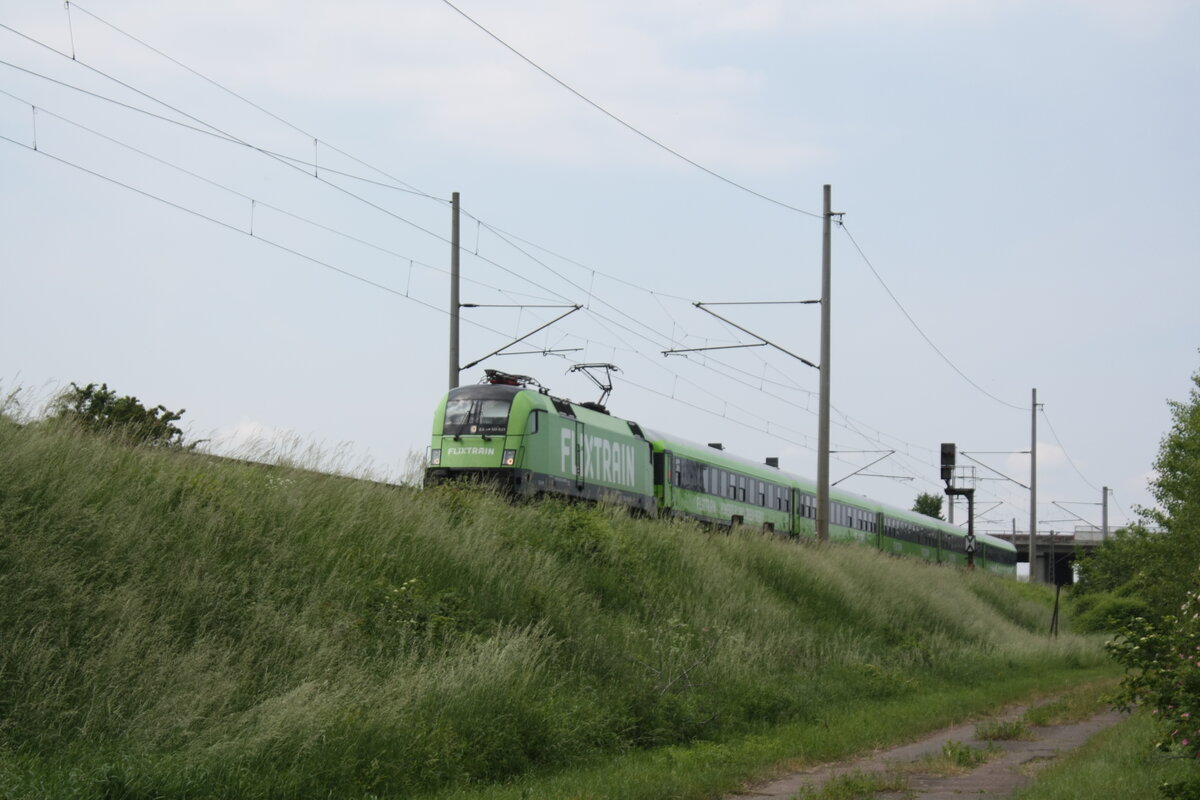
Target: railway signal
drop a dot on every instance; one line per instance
(948, 458)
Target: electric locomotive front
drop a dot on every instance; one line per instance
(510, 432)
(478, 431)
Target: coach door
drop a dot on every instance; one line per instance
(580, 452)
(664, 470)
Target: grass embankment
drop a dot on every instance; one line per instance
(174, 627)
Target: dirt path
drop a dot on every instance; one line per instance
(996, 779)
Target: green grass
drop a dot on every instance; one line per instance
(999, 730)
(179, 626)
(1117, 764)
(957, 756)
(1074, 705)
(856, 786)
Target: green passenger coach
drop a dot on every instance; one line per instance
(705, 483)
(511, 432)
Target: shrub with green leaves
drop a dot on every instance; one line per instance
(1162, 662)
(100, 409)
(1108, 612)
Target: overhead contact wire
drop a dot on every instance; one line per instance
(917, 327)
(625, 124)
(236, 229)
(249, 102)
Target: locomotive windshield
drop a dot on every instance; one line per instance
(478, 410)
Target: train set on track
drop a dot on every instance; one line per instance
(511, 432)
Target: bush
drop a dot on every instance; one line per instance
(1107, 612)
(99, 409)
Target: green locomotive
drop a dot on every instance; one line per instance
(512, 432)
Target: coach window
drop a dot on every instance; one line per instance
(762, 493)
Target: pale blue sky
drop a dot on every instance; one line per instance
(1022, 175)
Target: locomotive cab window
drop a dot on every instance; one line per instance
(466, 415)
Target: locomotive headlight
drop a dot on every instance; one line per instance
(510, 458)
(435, 457)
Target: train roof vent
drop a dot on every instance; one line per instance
(773, 461)
(716, 445)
